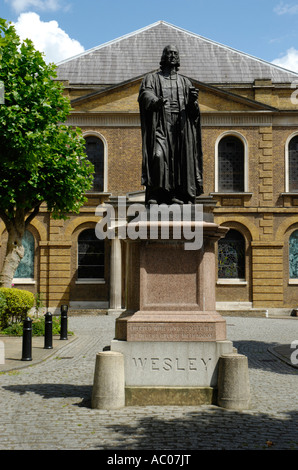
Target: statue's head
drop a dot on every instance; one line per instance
(170, 57)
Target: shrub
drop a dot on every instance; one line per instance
(3, 303)
(15, 329)
(38, 327)
(18, 304)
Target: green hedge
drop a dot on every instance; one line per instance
(15, 305)
(3, 303)
(38, 327)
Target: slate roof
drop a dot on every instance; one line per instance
(138, 53)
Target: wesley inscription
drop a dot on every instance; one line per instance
(170, 363)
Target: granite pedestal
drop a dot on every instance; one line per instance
(171, 336)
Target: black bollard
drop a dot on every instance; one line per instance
(48, 331)
(63, 325)
(27, 340)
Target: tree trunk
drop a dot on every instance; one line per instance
(14, 254)
(15, 251)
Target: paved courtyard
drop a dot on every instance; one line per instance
(47, 406)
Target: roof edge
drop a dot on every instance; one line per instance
(112, 41)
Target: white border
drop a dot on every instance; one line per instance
(23, 280)
(232, 281)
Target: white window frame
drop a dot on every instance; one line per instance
(234, 280)
(287, 181)
(27, 280)
(245, 144)
(292, 280)
(89, 280)
(105, 157)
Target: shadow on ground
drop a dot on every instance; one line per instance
(175, 428)
(260, 356)
(204, 428)
(210, 429)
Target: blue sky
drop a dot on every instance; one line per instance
(267, 29)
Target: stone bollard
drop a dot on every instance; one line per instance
(108, 388)
(2, 353)
(233, 382)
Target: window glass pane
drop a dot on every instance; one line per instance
(230, 165)
(91, 259)
(26, 266)
(231, 256)
(293, 164)
(95, 152)
(90, 272)
(293, 255)
(90, 256)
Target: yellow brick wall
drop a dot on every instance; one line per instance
(267, 274)
(124, 159)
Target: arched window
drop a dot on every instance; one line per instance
(95, 152)
(293, 255)
(231, 256)
(26, 266)
(90, 256)
(293, 164)
(231, 164)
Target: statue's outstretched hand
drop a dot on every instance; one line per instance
(159, 103)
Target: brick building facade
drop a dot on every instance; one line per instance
(250, 154)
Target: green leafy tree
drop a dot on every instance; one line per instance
(41, 160)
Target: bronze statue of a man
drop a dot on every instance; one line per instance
(171, 134)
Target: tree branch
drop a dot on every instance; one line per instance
(32, 215)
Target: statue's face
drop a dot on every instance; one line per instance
(171, 56)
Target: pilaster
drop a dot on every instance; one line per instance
(267, 274)
(265, 167)
(55, 265)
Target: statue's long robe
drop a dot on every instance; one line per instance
(187, 172)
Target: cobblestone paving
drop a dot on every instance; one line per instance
(47, 406)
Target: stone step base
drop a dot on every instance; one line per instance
(256, 312)
(170, 396)
(243, 313)
(86, 311)
(225, 313)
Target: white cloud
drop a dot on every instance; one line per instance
(43, 5)
(47, 37)
(286, 8)
(289, 60)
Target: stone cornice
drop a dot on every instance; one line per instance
(209, 119)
